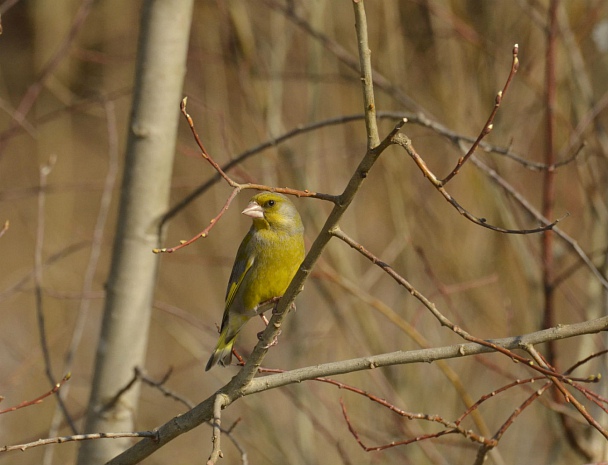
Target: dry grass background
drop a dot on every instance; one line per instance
(252, 75)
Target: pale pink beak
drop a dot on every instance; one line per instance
(253, 210)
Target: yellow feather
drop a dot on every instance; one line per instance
(265, 264)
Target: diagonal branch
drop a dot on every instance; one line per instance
(406, 143)
(235, 388)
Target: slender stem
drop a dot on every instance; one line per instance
(549, 175)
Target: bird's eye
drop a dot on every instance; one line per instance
(270, 203)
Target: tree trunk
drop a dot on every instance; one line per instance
(161, 65)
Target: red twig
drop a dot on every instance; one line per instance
(494, 393)
(443, 320)
(205, 232)
(450, 430)
(39, 399)
(485, 448)
(490, 122)
(406, 143)
(237, 187)
(585, 360)
(204, 152)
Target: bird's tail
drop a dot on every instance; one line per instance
(222, 353)
(223, 350)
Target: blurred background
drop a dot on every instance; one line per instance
(255, 71)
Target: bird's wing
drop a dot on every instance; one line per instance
(242, 264)
(239, 272)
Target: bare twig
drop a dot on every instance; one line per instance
(80, 437)
(572, 244)
(485, 448)
(38, 267)
(451, 428)
(237, 187)
(160, 386)
(418, 119)
(406, 143)
(443, 320)
(96, 248)
(493, 394)
(139, 372)
(39, 399)
(585, 360)
(205, 232)
(490, 122)
(569, 398)
(414, 334)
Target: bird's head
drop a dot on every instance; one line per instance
(274, 211)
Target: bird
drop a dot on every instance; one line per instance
(266, 262)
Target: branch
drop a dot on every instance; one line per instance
(236, 387)
(237, 187)
(490, 122)
(425, 355)
(204, 411)
(451, 428)
(443, 320)
(216, 452)
(79, 437)
(38, 399)
(406, 143)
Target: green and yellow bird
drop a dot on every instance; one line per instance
(265, 264)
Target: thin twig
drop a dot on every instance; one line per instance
(406, 143)
(485, 448)
(205, 232)
(451, 428)
(39, 399)
(89, 274)
(487, 128)
(585, 360)
(569, 398)
(409, 329)
(494, 393)
(572, 244)
(80, 437)
(45, 171)
(443, 320)
(159, 385)
(236, 188)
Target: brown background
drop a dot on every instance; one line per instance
(252, 75)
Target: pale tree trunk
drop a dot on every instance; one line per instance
(161, 65)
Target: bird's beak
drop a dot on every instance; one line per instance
(253, 210)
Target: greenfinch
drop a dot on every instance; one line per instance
(265, 264)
